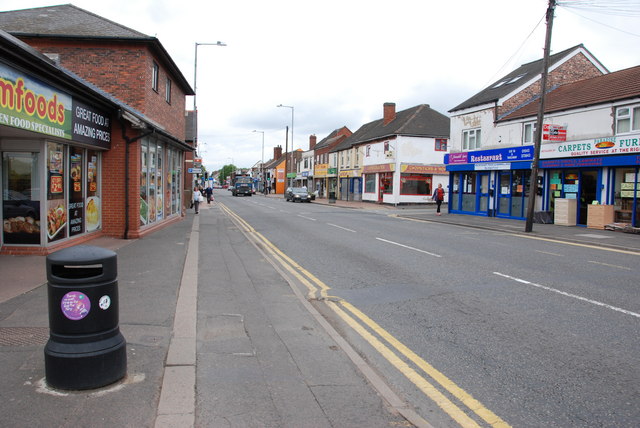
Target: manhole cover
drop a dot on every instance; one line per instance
(23, 336)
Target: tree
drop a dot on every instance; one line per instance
(225, 172)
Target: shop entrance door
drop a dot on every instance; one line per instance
(20, 198)
(588, 193)
(483, 193)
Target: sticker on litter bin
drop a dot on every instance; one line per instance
(75, 305)
(104, 302)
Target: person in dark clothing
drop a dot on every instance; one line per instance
(438, 196)
(209, 192)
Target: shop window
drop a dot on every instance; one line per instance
(471, 139)
(93, 211)
(627, 119)
(56, 209)
(415, 184)
(386, 183)
(155, 74)
(441, 145)
(144, 183)
(528, 133)
(76, 190)
(20, 199)
(369, 183)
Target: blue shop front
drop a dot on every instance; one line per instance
(493, 183)
(601, 171)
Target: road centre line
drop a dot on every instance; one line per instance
(408, 247)
(610, 265)
(340, 227)
(449, 407)
(575, 296)
(308, 218)
(551, 254)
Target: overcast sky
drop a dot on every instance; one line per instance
(337, 61)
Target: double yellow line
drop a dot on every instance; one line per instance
(410, 364)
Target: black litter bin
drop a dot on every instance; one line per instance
(85, 349)
(332, 197)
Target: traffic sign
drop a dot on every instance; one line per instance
(194, 170)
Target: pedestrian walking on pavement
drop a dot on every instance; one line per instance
(438, 196)
(197, 197)
(209, 192)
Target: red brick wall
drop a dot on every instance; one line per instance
(123, 70)
(576, 68)
(113, 185)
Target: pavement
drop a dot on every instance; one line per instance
(216, 334)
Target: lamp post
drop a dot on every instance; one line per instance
(262, 163)
(292, 109)
(195, 90)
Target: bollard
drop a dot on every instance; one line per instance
(85, 349)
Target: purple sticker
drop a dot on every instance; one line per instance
(75, 305)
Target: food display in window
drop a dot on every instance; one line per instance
(92, 213)
(56, 220)
(21, 225)
(144, 208)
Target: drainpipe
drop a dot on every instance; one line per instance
(128, 140)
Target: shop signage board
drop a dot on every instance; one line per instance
(614, 145)
(554, 132)
(509, 154)
(29, 104)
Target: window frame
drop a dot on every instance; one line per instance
(155, 76)
(533, 126)
(632, 118)
(468, 134)
(440, 145)
(167, 95)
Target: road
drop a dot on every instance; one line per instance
(472, 327)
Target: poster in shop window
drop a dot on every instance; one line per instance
(56, 210)
(76, 201)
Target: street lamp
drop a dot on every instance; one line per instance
(291, 107)
(195, 91)
(262, 163)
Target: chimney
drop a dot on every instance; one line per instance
(277, 152)
(389, 113)
(312, 142)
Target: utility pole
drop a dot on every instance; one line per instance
(533, 181)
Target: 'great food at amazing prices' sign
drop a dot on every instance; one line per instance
(619, 145)
(26, 103)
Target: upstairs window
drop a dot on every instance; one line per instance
(627, 119)
(441, 145)
(368, 151)
(471, 139)
(528, 132)
(167, 95)
(155, 71)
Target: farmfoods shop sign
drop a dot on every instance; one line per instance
(26, 103)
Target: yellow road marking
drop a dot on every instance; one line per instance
(419, 381)
(449, 385)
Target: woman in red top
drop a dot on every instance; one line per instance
(438, 196)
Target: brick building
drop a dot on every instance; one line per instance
(113, 82)
(490, 168)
